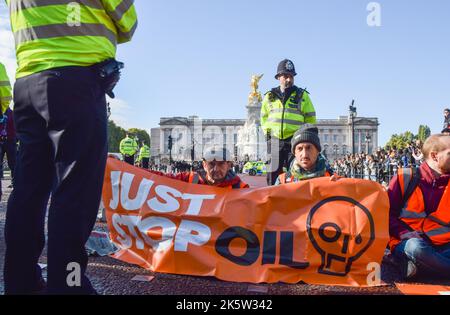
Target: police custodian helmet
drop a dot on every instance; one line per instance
(285, 66)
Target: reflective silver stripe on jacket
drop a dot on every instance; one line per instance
(18, 5)
(407, 174)
(5, 98)
(63, 30)
(120, 10)
(407, 214)
(286, 121)
(5, 83)
(128, 35)
(286, 110)
(311, 114)
(438, 231)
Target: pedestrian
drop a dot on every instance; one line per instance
(284, 109)
(417, 153)
(60, 115)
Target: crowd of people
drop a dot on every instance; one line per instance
(382, 165)
(185, 166)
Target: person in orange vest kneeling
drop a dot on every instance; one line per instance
(217, 171)
(419, 223)
(308, 163)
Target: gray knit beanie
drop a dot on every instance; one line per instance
(306, 133)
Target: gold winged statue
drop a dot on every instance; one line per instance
(254, 94)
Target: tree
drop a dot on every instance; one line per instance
(402, 140)
(424, 133)
(115, 135)
(141, 134)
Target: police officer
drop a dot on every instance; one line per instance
(128, 147)
(8, 142)
(5, 89)
(144, 155)
(65, 53)
(7, 131)
(284, 109)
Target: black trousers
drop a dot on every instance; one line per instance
(60, 118)
(145, 163)
(280, 155)
(9, 148)
(129, 159)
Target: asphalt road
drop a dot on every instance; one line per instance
(113, 277)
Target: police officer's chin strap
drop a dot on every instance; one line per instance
(286, 87)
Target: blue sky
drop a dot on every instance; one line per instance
(196, 57)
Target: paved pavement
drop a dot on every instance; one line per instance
(113, 277)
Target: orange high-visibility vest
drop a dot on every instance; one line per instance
(194, 178)
(436, 225)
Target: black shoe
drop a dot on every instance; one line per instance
(41, 288)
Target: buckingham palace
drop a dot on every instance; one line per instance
(191, 135)
(185, 138)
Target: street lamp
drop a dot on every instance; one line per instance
(325, 150)
(368, 138)
(352, 112)
(170, 148)
(257, 141)
(335, 150)
(193, 150)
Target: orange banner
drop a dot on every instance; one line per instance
(317, 231)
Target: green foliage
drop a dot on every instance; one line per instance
(140, 134)
(117, 133)
(402, 140)
(424, 133)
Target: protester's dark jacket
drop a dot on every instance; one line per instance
(433, 188)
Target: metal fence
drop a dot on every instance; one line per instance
(380, 173)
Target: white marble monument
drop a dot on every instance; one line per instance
(251, 141)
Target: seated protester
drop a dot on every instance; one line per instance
(217, 171)
(446, 129)
(308, 162)
(419, 220)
